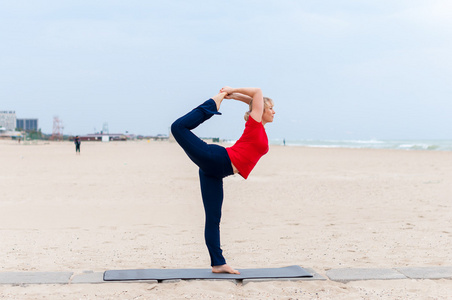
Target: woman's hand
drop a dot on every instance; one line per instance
(231, 96)
(227, 89)
(240, 97)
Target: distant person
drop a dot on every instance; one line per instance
(216, 162)
(77, 143)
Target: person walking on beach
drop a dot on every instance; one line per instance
(216, 162)
(77, 143)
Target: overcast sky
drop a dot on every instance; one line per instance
(377, 69)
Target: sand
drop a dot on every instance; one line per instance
(137, 205)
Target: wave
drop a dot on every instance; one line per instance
(432, 145)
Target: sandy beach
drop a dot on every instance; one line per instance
(134, 205)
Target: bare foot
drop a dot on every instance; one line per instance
(218, 99)
(224, 269)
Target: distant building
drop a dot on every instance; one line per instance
(101, 137)
(8, 119)
(27, 124)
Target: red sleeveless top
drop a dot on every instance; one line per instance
(251, 146)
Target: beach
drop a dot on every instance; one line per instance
(137, 205)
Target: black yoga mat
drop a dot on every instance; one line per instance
(168, 274)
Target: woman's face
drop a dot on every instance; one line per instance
(269, 113)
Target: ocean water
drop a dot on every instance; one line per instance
(433, 145)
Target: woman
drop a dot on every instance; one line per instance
(216, 162)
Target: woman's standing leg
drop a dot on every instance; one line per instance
(212, 198)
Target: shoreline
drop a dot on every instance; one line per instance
(447, 147)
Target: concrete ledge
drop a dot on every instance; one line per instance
(342, 275)
(35, 277)
(347, 274)
(427, 272)
(88, 277)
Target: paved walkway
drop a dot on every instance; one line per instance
(341, 275)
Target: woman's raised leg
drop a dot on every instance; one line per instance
(195, 148)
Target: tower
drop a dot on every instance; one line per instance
(105, 128)
(57, 132)
(105, 133)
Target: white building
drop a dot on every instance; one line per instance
(8, 119)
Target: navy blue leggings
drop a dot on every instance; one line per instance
(214, 164)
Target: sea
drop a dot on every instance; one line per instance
(430, 145)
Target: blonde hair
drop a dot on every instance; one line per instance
(267, 102)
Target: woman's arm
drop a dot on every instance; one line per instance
(254, 93)
(240, 97)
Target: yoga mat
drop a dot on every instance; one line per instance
(168, 274)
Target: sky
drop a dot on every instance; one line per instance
(351, 69)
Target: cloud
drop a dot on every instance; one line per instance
(435, 14)
(319, 60)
